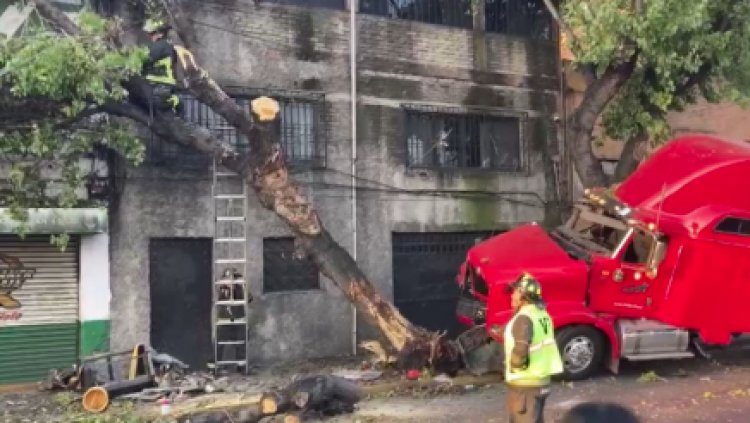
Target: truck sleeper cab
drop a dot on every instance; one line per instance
(633, 272)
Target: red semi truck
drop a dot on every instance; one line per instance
(657, 267)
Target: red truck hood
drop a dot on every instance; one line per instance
(528, 248)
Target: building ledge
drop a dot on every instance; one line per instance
(54, 221)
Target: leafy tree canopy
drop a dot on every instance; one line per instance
(684, 50)
(51, 89)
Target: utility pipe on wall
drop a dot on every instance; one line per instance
(353, 82)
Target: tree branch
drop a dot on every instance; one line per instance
(175, 10)
(263, 168)
(581, 122)
(56, 17)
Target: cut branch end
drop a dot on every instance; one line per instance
(265, 108)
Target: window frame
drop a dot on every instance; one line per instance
(318, 160)
(305, 3)
(740, 220)
(517, 24)
(318, 283)
(161, 153)
(477, 114)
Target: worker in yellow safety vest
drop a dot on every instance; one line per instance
(158, 68)
(531, 354)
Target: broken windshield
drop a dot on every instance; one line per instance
(594, 230)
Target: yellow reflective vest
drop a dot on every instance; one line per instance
(544, 356)
(159, 64)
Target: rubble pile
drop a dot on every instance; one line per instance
(148, 377)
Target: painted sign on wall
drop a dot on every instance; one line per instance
(13, 275)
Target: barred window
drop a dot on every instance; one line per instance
(283, 271)
(298, 128)
(456, 13)
(329, 4)
(445, 140)
(525, 18)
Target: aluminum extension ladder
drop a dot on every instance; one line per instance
(230, 294)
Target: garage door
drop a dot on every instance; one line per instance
(424, 275)
(38, 308)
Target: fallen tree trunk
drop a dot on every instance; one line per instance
(327, 395)
(265, 170)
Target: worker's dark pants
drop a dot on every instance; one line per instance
(526, 405)
(158, 99)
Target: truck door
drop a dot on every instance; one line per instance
(622, 284)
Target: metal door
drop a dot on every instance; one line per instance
(621, 284)
(38, 307)
(180, 282)
(424, 276)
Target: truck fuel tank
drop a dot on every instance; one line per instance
(642, 339)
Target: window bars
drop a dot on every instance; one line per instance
(444, 139)
(299, 127)
(524, 18)
(283, 270)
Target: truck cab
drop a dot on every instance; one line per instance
(654, 268)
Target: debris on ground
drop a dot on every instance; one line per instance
(381, 356)
(443, 378)
(650, 376)
(359, 375)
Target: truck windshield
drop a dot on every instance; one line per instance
(594, 230)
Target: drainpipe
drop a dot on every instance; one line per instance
(353, 82)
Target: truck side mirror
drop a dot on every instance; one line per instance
(656, 255)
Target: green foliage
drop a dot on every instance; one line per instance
(78, 70)
(684, 50)
(44, 161)
(41, 160)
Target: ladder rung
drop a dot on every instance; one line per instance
(230, 282)
(230, 218)
(231, 342)
(230, 239)
(228, 362)
(226, 174)
(230, 261)
(229, 196)
(230, 303)
(226, 322)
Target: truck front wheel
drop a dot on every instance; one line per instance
(582, 349)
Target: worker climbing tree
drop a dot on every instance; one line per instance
(159, 67)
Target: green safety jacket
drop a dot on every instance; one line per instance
(159, 66)
(544, 356)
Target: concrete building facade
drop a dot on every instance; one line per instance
(455, 138)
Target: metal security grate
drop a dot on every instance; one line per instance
(525, 18)
(329, 4)
(456, 13)
(283, 270)
(299, 131)
(442, 139)
(425, 266)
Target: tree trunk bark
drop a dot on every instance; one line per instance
(631, 157)
(263, 168)
(581, 122)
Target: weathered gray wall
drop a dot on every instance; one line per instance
(299, 48)
(154, 203)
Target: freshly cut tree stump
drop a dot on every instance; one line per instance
(274, 402)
